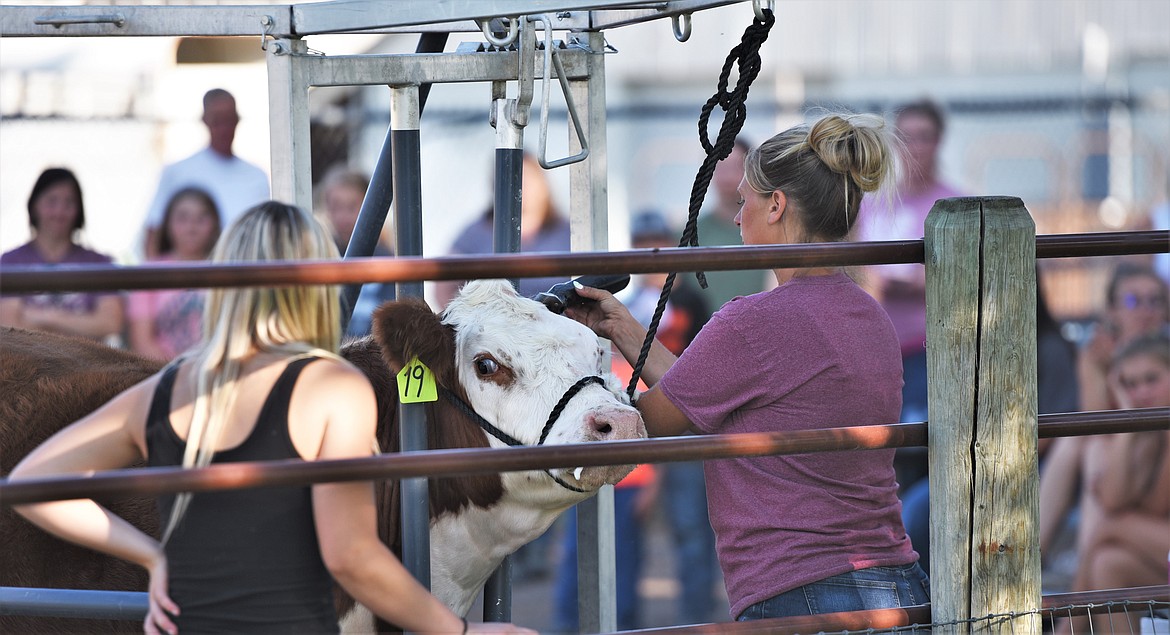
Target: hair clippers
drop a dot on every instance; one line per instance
(561, 296)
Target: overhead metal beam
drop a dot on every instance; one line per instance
(137, 21)
(437, 68)
(336, 16)
(340, 16)
(578, 17)
(608, 19)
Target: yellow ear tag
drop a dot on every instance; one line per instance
(416, 383)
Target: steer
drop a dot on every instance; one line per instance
(502, 364)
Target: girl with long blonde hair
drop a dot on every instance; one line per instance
(265, 383)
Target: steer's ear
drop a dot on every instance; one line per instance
(405, 328)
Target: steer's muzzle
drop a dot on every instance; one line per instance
(608, 424)
(614, 425)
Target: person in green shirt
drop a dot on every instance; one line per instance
(717, 227)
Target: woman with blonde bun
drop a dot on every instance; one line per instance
(265, 383)
(801, 534)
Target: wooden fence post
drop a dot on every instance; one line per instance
(981, 364)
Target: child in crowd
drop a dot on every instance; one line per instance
(1123, 536)
(165, 322)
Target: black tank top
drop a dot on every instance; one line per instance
(244, 561)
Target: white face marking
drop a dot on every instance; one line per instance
(541, 355)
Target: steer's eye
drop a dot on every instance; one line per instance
(486, 366)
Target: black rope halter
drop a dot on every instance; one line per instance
(734, 104)
(504, 437)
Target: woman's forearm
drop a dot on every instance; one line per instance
(86, 523)
(1092, 378)
(659, 359)
(105, 320)
(11, 313)
(1145, 535)
(377, 580)
(1134, 456)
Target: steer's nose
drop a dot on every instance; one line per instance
(616, 424)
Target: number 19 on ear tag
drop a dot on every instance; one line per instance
(416, 383)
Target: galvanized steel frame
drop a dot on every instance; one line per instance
(337, 16)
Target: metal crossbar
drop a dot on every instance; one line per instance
(1152, 603)
(403, 269)
(445, 463)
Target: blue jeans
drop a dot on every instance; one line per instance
(873, 588)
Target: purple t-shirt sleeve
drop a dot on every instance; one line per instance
(706, 383)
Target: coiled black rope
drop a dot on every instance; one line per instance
(746, 55)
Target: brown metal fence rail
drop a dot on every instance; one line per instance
(18, 280)
(1147, 601)
(153, 481)
(918, 618)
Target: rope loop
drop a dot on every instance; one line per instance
(745, 55)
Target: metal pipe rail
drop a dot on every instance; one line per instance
(1082, 603)
(153, 481)
(1103, 244)
(402, 269)
(74, 603)
(131, 605)
(1079, 424)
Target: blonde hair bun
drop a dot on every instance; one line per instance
(856, 145)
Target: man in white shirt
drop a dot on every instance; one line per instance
(233, 183)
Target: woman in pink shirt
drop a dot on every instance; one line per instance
(799, 534)
(166, 322)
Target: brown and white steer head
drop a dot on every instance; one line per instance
(512, 361)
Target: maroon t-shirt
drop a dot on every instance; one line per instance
(816, 352)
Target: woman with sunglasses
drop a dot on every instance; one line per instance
(1136, 305)
(1121, 484)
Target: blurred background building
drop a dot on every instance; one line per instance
(1065, 104)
